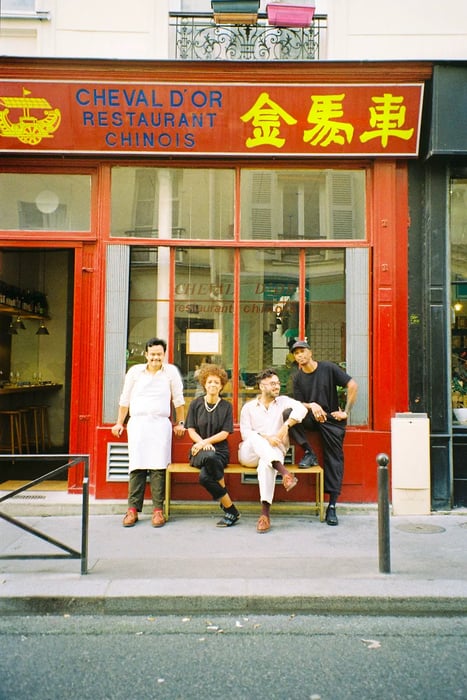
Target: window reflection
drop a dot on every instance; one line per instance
(42, 202)
(325, 320)
(268, 314)
(203, 302)
(193, 203)
(198, 319)
(458, 233)
(302, 204)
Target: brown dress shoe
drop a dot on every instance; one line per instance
(158, 519)
(263, 524)
(130, 518)
(289, 481)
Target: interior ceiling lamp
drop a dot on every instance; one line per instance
(19, 324)
(42, 330)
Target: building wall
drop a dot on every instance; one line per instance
(357, 30)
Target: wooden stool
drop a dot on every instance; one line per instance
(41, 427)
(24, 417)
(11, 425)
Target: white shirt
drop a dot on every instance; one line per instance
(257, 418)
(149, 393)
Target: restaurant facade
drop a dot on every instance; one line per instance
(228, 212)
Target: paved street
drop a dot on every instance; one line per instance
(284, 657)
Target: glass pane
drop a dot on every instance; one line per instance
(325, 314)
(194, 203)
(302, 204)
(145, 305)
(336, 316)
(42, 202)
(18, 6)
(203, 313)
(458, 232)
(268, 315)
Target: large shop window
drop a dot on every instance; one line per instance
(319, 288)
(332, 298)
(42, 202)
(458, 229)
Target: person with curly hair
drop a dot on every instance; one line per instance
(209, 423)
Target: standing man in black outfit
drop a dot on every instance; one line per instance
(315, 385)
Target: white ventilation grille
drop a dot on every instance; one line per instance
(117, 461)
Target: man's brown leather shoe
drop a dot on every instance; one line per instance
(289, 481)
(263, 524)
(158, 519)
(130, 518)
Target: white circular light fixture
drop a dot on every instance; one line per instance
(47, 201)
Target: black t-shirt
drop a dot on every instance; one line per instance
(321, 385)
(208, 423)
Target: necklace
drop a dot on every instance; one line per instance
(210, 408)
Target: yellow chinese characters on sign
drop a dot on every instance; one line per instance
(387, 117)
(324, 113)
(266, 116)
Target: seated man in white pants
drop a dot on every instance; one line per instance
(264, 430)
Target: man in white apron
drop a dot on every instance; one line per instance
(148, 394)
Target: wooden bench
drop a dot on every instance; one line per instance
(184, 468)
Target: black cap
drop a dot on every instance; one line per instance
(300, 344)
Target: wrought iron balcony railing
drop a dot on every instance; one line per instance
(197, 37)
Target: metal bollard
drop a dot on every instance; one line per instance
(383, 514)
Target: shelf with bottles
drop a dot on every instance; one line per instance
(25, 303)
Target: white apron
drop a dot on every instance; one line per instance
(150, 427)
(149, 442)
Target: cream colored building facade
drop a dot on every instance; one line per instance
(356, 30)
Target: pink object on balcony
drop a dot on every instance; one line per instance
(290, 15)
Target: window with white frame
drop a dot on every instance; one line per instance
(19, 7)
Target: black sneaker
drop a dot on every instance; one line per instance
(331, 517)
(309, 459)
(228, 520)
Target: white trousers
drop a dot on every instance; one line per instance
(256, 451)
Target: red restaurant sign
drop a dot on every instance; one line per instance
(210, 119)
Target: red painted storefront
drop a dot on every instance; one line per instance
(80, 147)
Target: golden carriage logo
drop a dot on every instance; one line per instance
(28, 128)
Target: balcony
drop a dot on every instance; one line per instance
(196, 37)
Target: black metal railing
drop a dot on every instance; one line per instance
(197, 37)
(71, 553)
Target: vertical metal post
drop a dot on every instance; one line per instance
(383, 514)
(85, 518)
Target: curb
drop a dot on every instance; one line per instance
(175, 605)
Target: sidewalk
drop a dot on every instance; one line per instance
(190, 566)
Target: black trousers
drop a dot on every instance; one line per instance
(332, 434)
(211, 466)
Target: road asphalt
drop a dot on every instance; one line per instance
(417, 567)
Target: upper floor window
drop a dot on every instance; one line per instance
(18, 6)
